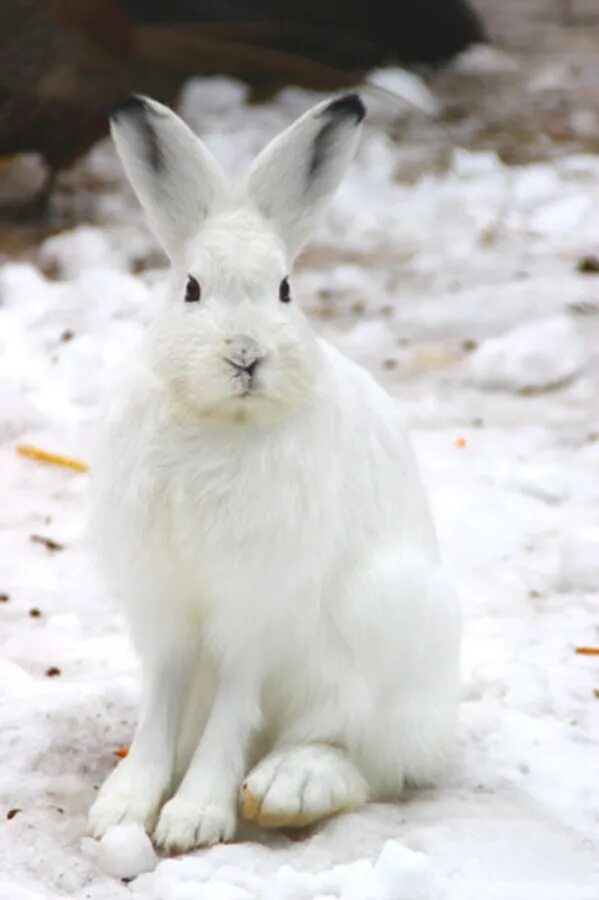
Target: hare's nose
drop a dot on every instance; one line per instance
(244, 352)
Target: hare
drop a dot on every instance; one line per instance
(260, 516)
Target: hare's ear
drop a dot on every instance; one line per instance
(176, 179)
(293, 178)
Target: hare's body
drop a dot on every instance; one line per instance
(274, 552)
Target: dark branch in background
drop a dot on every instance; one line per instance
(356, 32)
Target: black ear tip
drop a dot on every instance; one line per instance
(346, 106)
(127, 106)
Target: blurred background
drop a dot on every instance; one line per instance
(64, 62)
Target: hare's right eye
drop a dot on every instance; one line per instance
(284, 291)
(193, 291)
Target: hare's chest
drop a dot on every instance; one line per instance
(247, 519)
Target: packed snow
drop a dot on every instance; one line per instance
(460, 291)
(537, 355)
(125, 851)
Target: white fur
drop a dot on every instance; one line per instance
(273, 550)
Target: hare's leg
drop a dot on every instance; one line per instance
(388, 703)
(406, 653)
(203, 810)
(395, 701)
(200, 696)
(299, 785)
(134, 791)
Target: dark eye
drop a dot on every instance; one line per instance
(284, 291)
(193, 291)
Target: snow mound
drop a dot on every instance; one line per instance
(397, 874)
(533, 356)
(407, 87)
(579, 560)
(80, 249)
(483, 59)
(126, 851)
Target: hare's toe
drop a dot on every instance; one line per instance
(130, 794)
(185, 824)
(297, 787)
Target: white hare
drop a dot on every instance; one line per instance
(261, 518)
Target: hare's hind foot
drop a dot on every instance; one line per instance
(297, 786)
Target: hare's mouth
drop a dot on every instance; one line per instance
(245, 380)
(245, 385)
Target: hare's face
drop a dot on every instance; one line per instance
(231, 342)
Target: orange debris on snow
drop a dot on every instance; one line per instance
(56, 459)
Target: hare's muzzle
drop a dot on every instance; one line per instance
(244, 355)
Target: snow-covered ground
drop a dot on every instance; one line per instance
(460, 292)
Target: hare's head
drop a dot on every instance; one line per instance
(230, 341)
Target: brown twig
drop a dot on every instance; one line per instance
(48, 543)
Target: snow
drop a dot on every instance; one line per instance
(483, 58)
(126, 851)
(410, 88)
(459, 290)
(73, 253)
(397, 873)
(534, 356)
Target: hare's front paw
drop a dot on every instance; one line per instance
(129, 794)
(185, 824)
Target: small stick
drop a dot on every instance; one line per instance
(46, 541)
(588, 651)
(55, 459)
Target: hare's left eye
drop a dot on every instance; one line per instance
(193, 291)
(284, 291)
